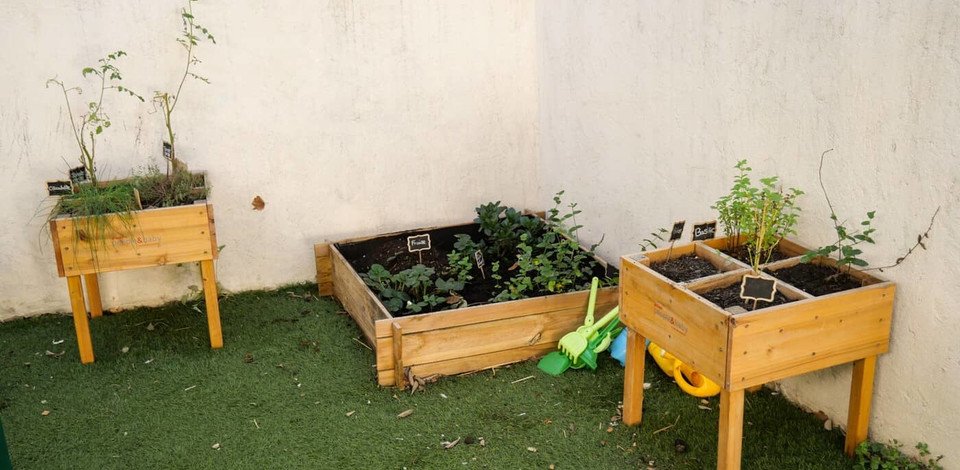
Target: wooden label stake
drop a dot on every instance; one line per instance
(418, 243)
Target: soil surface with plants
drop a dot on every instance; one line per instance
(729, 296)
(816, 279)
(685, 268)
(524, 256)
(741, 254)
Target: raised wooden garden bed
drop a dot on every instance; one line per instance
(151, 237)
(740, 350)
(450, 341)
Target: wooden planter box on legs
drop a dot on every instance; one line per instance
(155, 237)
(452, 341)
(742, 350)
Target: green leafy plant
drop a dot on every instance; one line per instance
(773, 215)
(845, 248)
(461, 261)
(554, 262)
(880, 456)
(733, 209)
(649, 244)
(502, 227)
(191, 36)
(757, 216)
(87, 127)
(413, 290)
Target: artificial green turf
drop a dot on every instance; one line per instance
(167, 401)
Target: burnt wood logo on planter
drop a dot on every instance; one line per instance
(418, 242)
(704, 231)
(79, 175)
(758, 288)
(59, 188)
(675, 323)
(677, 230)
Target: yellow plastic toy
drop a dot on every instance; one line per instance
(689, 380)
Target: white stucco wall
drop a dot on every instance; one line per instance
(347, 117)
(646, 106)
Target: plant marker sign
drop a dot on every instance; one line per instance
(79, 175)
(478, 255)
(167, 150)
(705, 231)
(59, 188)
(757, 288)
(418, 243)
(675, 234)
(677, 230)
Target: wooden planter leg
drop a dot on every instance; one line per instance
(861, 393)
(399, 377)
(93, 294)
(730, 433)
(80, 321)
(633, 378)
(209, 276)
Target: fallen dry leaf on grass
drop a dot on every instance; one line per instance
(450, 444)
(45, 413)
(405, 413)
(350, 413)
(215, 446)
(258, 203)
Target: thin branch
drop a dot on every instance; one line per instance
(919, 243)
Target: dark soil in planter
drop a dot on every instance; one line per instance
(685, 268)
(390, 251)
(817, 279)
(729, 296)
(741, 254)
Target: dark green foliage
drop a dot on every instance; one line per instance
(553, 262)
(880, 456)
(503, 226)
(279, 393)
(412, 290)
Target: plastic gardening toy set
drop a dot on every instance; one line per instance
(582, 346)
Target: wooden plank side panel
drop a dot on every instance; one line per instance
(501, 311)
(467, 364)
(321, 252)
(812, 334)
(357, 300)
(471, 339)
(156, 237)
(669, 315)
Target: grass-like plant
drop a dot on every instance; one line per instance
(160, 190)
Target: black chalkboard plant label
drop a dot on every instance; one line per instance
(79, 175)
(59, 188)
(705, 231)
(758, 288)
(417, 244)
(677, 230)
